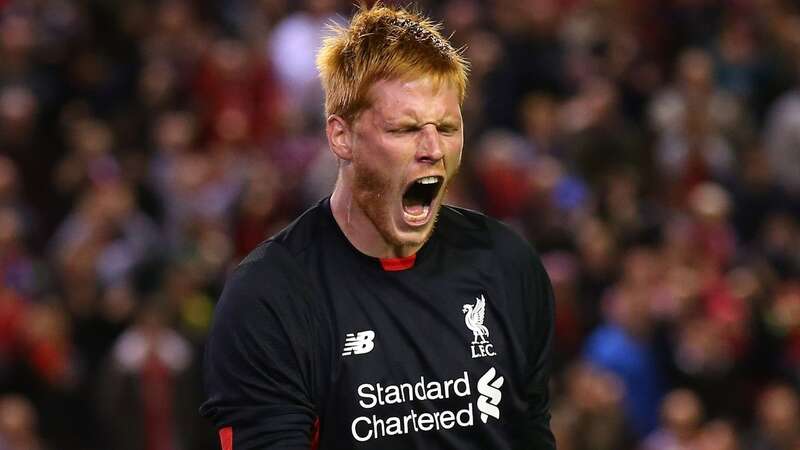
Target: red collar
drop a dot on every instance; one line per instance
(397, 264)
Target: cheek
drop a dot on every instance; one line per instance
(453, 157)
(378, 152)
(375, 169)
(391, 158)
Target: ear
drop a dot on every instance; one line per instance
(339, 137)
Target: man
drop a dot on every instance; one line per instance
(363, 326)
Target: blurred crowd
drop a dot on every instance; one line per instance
(649, 149)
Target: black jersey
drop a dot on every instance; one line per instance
(448, 349)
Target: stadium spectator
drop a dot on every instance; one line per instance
(647, 149)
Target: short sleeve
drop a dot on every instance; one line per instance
(259, 359)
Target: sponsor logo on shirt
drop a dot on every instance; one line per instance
(359, 343)
(473, 318)
(489, 388)
(369, 427)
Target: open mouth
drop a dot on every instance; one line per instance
(419, 196)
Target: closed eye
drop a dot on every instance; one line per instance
(447, 129)
(443, 129)
(404, 130)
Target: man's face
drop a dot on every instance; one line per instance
(406, 148)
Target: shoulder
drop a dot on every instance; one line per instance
(270, 275)
(268, 266)
(294, 239)
(513, 256)
(479, 229)
(259, 289)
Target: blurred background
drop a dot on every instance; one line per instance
(649, 149)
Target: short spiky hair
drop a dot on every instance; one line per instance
(384, 42)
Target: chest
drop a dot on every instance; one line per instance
(425, 351)
(407, 329)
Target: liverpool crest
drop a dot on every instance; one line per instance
(473, 317)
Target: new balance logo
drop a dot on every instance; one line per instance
(359, 343)
(489, 388)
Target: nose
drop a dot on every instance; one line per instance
(429, 147)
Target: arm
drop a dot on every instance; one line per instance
(541, 339)
(259, 360)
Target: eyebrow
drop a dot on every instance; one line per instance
(409, 121)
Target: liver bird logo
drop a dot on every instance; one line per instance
(473, 317)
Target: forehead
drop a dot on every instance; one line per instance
(419, 98)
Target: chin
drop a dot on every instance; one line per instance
(401, 234)
(414, 238)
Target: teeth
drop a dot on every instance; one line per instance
(428, 180)
(422, 214)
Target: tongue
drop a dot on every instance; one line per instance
(414, 207)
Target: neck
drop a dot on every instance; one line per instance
(359, 229)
